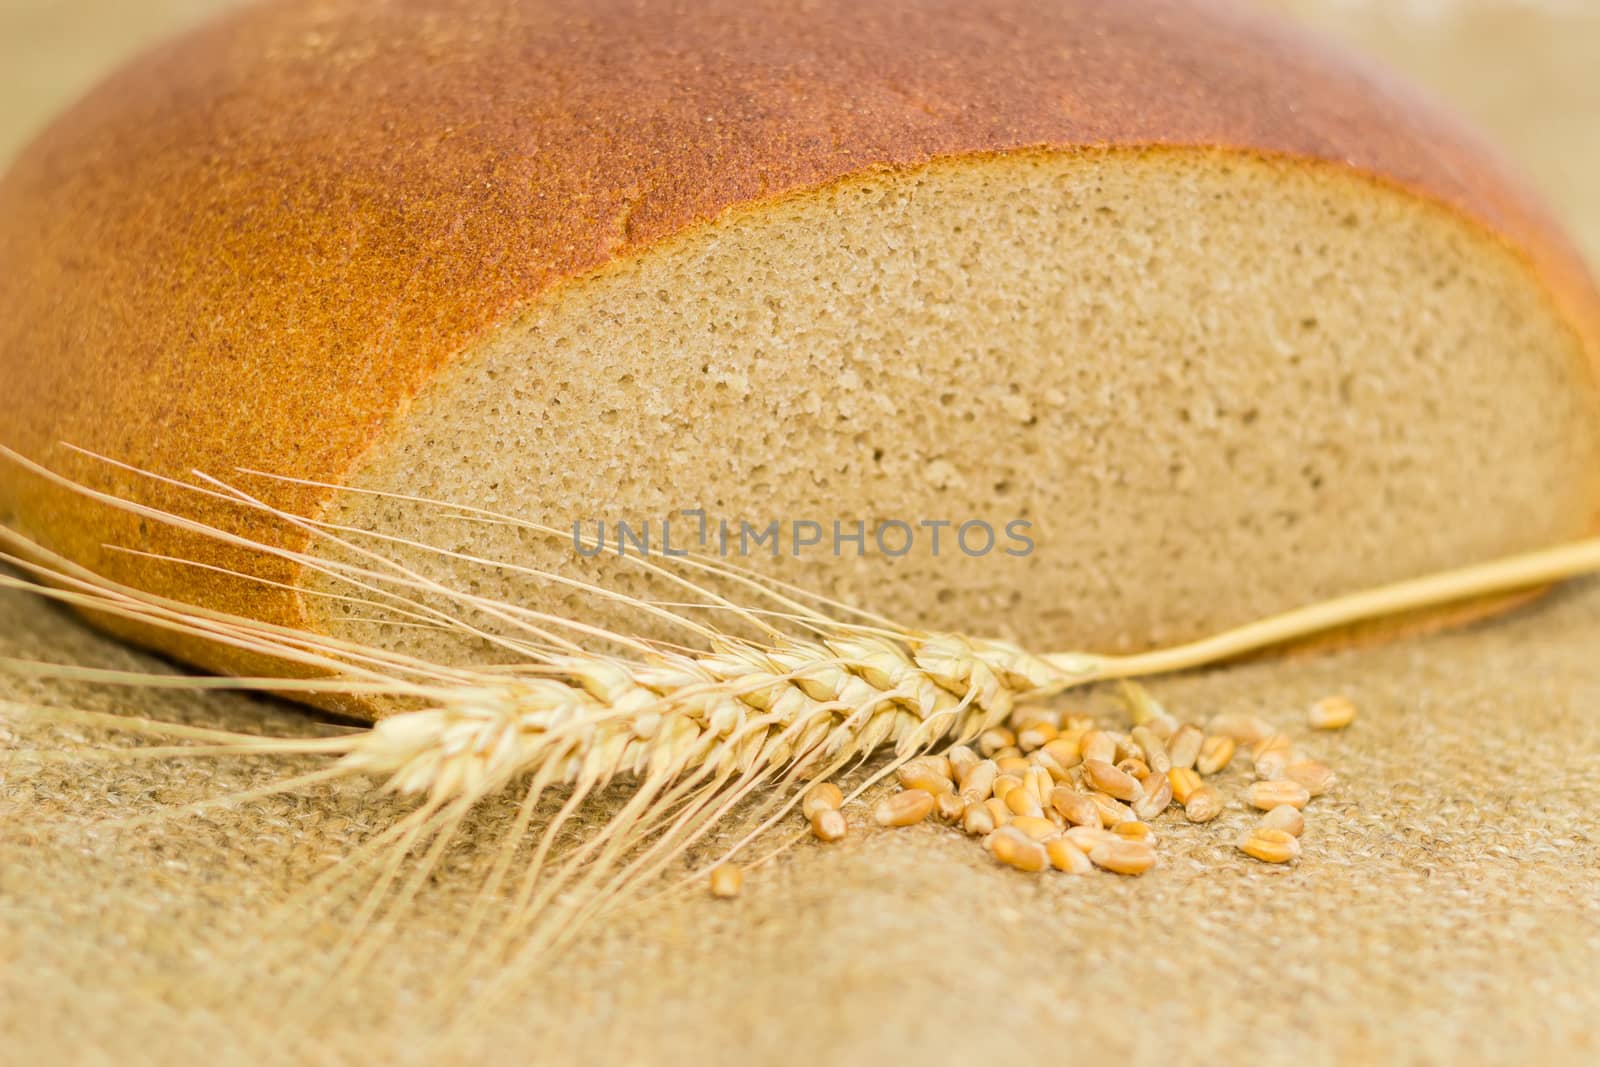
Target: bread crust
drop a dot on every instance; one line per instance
(255, 245)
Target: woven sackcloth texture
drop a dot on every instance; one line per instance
(1447, 908)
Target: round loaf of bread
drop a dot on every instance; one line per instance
(1202, 318)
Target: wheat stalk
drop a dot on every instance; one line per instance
(699, 731)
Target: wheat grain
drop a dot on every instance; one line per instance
(903, 809)
(1066, 856)
(1155, 796)
(1133, 767)
(915, 774)
(727, 880)
(948, 807)
(1109, 780)
(1268, 795)
(1285, 817)
(978, 783)
(1098, 745)
(1043, 760)
(829, 825)
(1075, 807)
(999, 814)
(963, 761)
(1153, 748)
(1036, 827)
(1021, 800)
(1215, 754)
(994, 740)
(1087, 838)
(1065, 750)
(977, 819)
(823, 796)
(1272, 755)
(1184, 781)
(1123, 856)
(1112, 811)
(1203, 805)
(1183, 748)
(1270, 845)
(1039, 785)
(1015, 849)
(1035, 735)
(1332, 713)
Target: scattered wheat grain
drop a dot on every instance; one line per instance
(1036, 736)
(1184, 746)
(1285, 817)
(1065, 750)
(978, 819)
(1075, 807)
(1098, 745)
(1022, 801)
(1272, 756)
(829, 824)
(1203, 805)
(1037, 827)
(949, 807)
(992, 741)
(962, 761)
(998, 812)
(1133, 767)
(727, 880)
(1065, 856)
(1154, 798)
(824, 796)
(915, 775)
(1015, 849)
(1088, 838)
(1049, 764)
(1154, 749)
(1123, 857)
(1332, 713)
(1112, 811)
(1109, 780)
(1215, 754)
(1184, 781)
(903, 809)
(1039, 783)
(978, 783)
(1270, 845)
(1268, 795)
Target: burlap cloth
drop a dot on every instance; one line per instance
(1447, 908)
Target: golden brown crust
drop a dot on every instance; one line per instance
(255, 245)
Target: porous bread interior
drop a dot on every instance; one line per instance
(1217, 386)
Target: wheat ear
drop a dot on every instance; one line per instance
(699, 731)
